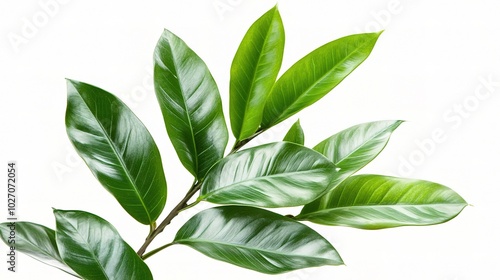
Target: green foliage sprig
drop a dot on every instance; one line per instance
(124, 158)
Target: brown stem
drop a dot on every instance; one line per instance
(168, 219)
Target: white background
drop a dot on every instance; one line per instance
(431, 61)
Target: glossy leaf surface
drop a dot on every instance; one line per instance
(376, 202)
(118, 149)
(93, 248)
(256, 239)
(295, 134)
(190, 103)
(254, 71)
(274, 175)
(36, 241)
(315, 75)
(353, 148)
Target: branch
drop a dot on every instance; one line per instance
(177, 209)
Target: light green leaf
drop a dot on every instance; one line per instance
(315, 75)
(118, 149)
(353, 148)
(254, 71)
(93, 248)
(295, 134)
(256, 239)
(36, 241)
(190, 103)
(376, 202)
(273, 175)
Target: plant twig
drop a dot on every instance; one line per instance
(147, 255)
(177, 209)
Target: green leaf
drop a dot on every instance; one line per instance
(36, 241)
(295, 134)
(254, 71)
(256, 239)
(273, 175)
(190, 103)
(93, 248)
(353, 148)
(118, 149)
(315, 75)
(376, 202)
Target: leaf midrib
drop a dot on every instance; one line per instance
(187, 241)
(221, 189)
(322, 211)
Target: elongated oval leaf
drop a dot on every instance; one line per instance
(315, 75)
(190, 103)
(93, 248)
(118, 149)
(256, 239)
(353, 148)
(254, 71)
(36, 241)
(274, 175)
(376, 202)
(295, 134)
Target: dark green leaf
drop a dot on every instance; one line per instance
(295, 134)
(254, 71)
(315, 75)
(93, 248)
(190, 103)
(273, 175)
(36, 241)
(376, 202)
(355, 147)
(118, 149)
(256, 239)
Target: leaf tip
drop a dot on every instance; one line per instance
(70, 81)
(166, 35)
